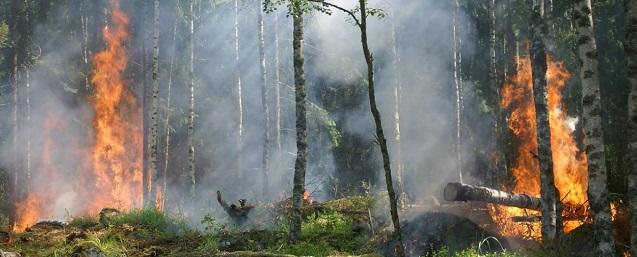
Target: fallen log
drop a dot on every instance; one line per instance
(464, 192)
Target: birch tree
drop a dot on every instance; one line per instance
(191, 99)
(238, 89)
(399, 163)
(264, 102)
(457, 90)
(154, 112)
(594, 142)
(630, 46)
(297, 10)
(168, 113)
(551, 218)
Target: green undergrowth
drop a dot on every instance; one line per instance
(144, 232)
(322, 234)
(149, 232)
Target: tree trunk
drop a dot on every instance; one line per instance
(239, 90)
(14, 37)
(301, 122)
(264, 102)
(458, 91)
(551, 218)
(594, 143)
(191, 105)
(399, 164)
(380, 134)
(167, 114)
(85, 52)
(144, 94)
(630, 46)
(277, 85)
(154, 113)
(464, 192)
(27, 93)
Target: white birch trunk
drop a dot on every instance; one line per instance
(594, 142)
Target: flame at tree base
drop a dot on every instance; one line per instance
(569, 163)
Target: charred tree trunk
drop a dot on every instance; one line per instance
(191, 100)
(380, 134)
(168, 113)
(264, 102)
(301, 122)
(154, 113)
(591, 103)
(464, 192)
(239, 90)
(630, 47)
(551, 217)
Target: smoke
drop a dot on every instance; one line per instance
(341, 137)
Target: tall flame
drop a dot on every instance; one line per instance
(115, 159)
(569, 163)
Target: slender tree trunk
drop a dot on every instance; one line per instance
(14, 33)
(144, 90)
(551, 223)
(630, 46)
(167, 114)
(301, 123)
(191, 105)
(498, 116)
(154, 112)
(239, 91)
(85, 52)
(399, 164)
(380, 134)
(594, 144)
(264, 102)
(277, 85)
(28, 125)
(458, 93)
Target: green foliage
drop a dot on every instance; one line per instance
(152, 220)
(320, 118)
(110, 246)
(4, 32)
(83, 222)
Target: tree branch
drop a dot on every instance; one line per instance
(350, 13)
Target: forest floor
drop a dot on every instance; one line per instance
(330, 229)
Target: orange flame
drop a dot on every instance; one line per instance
(569, 163)
(111, 173)
(30, 210)
(115, 159)
(307, 197)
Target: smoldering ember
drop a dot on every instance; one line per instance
(458, 128)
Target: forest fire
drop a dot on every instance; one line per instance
(110, 175)
(569, 163)
(116, 156)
